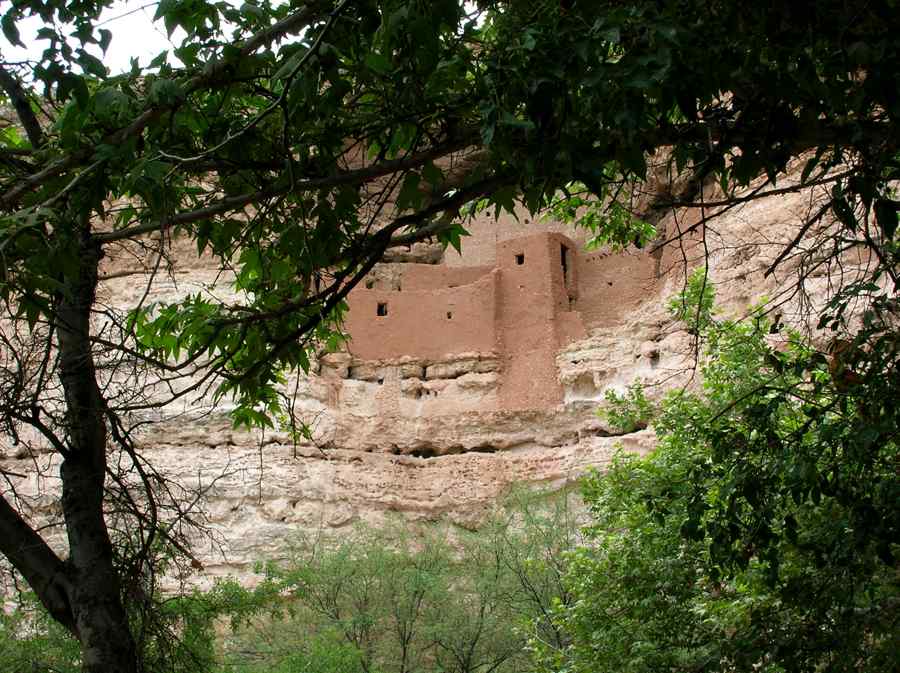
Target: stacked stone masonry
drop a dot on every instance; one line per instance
(519, 312)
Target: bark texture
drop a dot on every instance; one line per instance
(94, 594)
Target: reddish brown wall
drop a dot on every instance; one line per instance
(521, 311)
(486, 234)
(611, 284)
(533, 297)
(438, 277)
(417, 323)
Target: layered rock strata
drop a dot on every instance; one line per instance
(463, 375)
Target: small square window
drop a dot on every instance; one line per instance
(382, 308)
(520, 259)
(449, 315)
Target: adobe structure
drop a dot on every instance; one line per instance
(519, 312)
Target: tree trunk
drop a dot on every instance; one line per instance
(99, 616)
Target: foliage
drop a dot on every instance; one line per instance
(380, 600)
(321, 653)
(604, 215)
(292, 143)
(31, 641)
(694, 304)
(762, 532)
(629, 412)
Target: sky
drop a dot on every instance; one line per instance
(134, 35)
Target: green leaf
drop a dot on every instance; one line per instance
(289, 64)
(505, 199)
(105, 39)
(159, 60)
(72, 84)
(10, 30)
(844, 212)
(92, 65)
(633, 160)
(808, 168)
(378, 62)
(409, 198)
(528, 40)
(509, 119)
(487, 133)
(452, 236)
(252, 10)
(432, 174)
(165, 92)
(864, 187)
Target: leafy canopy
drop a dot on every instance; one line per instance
(761, 533)
(296, 141)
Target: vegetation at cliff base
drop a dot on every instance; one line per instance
(763, 532)
(376, 600)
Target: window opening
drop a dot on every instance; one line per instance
(382, 308)
(564, 260)
(520, 259)
(449, 315)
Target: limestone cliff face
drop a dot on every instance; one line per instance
(461, 377)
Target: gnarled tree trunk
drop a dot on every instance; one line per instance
(98, 615)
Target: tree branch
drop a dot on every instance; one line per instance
(367, 259)
(227, 204)
(755, 196)
(36, 179)
(292, 23)
(39, 565)
(211, 74)
(275, 104)
(19, 99)
(799, 237)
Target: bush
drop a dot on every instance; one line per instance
(762, 533)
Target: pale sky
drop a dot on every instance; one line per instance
(134, 35)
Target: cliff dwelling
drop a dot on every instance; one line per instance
(518, 312)
(482, 331)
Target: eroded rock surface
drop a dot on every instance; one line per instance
(414, 422)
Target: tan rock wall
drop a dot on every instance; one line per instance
(431, 418)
